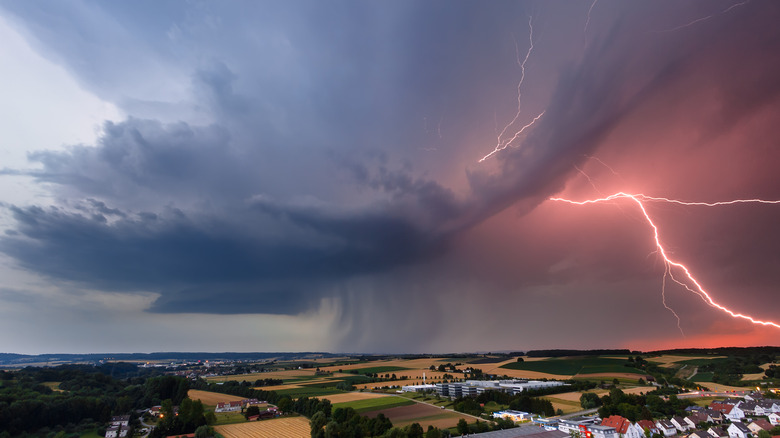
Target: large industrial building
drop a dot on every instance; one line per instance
(471, 388)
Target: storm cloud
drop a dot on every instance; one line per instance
(292, 155)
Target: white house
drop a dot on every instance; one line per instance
(666, 427)
(603, 431)
(228, 406)
(623, 427)
(739, 430)
(680, 423)
(116, 432)
(647, 425)
(717, 432)
(120, 420)
(774, 419)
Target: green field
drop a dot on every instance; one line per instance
(309, 391)
(374, 404)
(703, 377)
(379, 370)
(574, 365)
(699, 362)
(229, 418)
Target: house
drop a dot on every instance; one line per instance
(666, 427)
(228, 406)
(767, 406)
(680, 424)
(716, 416)
(758, 425)
(739, 430)
(695, 418)
(717, 432)
(120, 420)
(774, 419)
(648, 425)
(736, 414)
(116, 432)
(731, 411)
(154, 411)
(602, 431)
(699, 434)
(748, 407)
(623, 427)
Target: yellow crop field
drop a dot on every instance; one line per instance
(288, 427)
(211, 398)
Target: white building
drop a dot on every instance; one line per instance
(666, 427)
(738, 430)
(515, 416)
(418, 388)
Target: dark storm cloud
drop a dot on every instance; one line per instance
(256, 203)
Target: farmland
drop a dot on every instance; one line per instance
(573, 366)
(373, 404)
(211, 398)
(424, 414)
(351, 396)
(288, 427)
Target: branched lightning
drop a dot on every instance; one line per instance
(501, 142)
(691, 283)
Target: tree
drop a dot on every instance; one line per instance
(251, 411)
(589, 400)
(520, 359)
(414, 430)
(285, 404)
(318, 422)
(463, 426)
(204, 432)
(432, 432)
(764, 434)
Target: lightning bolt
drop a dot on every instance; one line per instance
(501, 143)
(692, 283)
(585, 30)
(699, 20)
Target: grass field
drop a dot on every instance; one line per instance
(572, 366)
(211, 398)
(91, 434)
(672, 360)
(705, 377)
(308, 391)
(373, 404)
(699, 361)
(288, 427)
(351, 396)
(229, 418)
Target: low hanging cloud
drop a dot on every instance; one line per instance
(290, 197)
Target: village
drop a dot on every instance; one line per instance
(751, 416)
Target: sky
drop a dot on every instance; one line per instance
(377, 177)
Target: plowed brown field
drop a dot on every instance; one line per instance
(292, 427)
